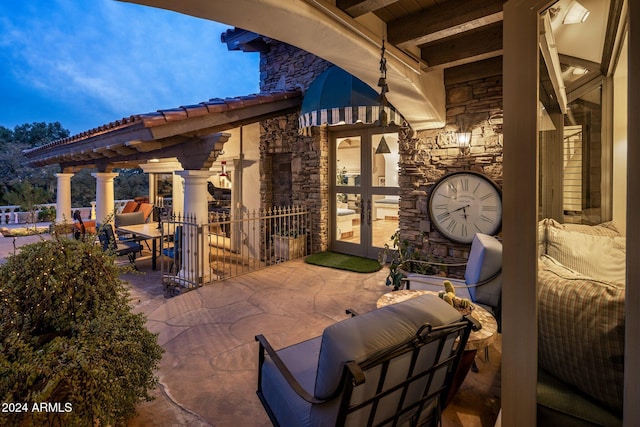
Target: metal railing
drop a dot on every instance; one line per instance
(230, 245)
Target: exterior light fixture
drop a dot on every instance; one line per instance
(224, 168)
(383, 120)
(463, 139)
(576, 14)
(383, 147)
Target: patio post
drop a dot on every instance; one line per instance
(63, 199)
(196, 205)
(104, 195)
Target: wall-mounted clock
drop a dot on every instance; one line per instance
(462, 204)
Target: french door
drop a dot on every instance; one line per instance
(364, 199)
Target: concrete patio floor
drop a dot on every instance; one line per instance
(208, 373)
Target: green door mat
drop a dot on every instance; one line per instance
(344, 262)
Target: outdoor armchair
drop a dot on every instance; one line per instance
(482, 282)
(390, 366)
(110, 244)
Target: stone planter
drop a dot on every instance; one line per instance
(289, 247)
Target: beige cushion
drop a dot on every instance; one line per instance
(604, 229)
(581, 331)
(599, 256)
(131, 218)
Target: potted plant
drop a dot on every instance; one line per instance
(404, 259)
(289, 244)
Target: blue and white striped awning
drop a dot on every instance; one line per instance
(336, 97)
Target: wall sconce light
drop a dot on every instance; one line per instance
(576, 14)
(224, 169)
(463, 139)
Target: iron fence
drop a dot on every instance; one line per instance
(228, 245)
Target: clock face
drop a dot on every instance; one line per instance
(465, 203)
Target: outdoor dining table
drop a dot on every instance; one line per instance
(147, 231)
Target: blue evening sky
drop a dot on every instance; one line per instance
(85, 63)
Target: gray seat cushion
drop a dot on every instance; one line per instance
(302, 361)
(485, 261)
(361, 337)
(318, 364)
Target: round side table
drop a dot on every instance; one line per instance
(478, 340)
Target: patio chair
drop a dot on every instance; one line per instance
(482, 277)
(79, 229)
(130, 206)
(110, 244)
(175, 252)
(390, 366)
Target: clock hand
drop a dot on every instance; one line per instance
(460, 208)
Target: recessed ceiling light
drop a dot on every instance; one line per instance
(576, 14)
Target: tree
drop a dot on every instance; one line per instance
(131, 183)
(13, 165)
(36, 134)
(83, 188)
(68, 336)
(28, 198)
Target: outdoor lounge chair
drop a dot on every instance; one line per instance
(390, 366)
(482, 277)
(109, 243)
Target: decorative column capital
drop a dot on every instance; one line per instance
(105, 175)
(194, 175)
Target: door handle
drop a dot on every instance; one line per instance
(369, 212)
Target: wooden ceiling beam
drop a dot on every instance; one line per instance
(144, 146)
(442, 21)
(356, 8)
(470, 46)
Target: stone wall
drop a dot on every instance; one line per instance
(474, 106)
(286, 67)
(426, 156)
(294, 168)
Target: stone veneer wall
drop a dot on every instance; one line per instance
(424, 158)
(294, 168)
(428, 155)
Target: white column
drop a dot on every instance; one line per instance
(177, 194)
(104, 196)
(196, 245)
(63, 199)
(153, 192)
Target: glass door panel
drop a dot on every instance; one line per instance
(384, 190)
(347, 217)
(365, 194)
(348, 211)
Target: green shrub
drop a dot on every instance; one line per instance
(69, 339)
(46, 214)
